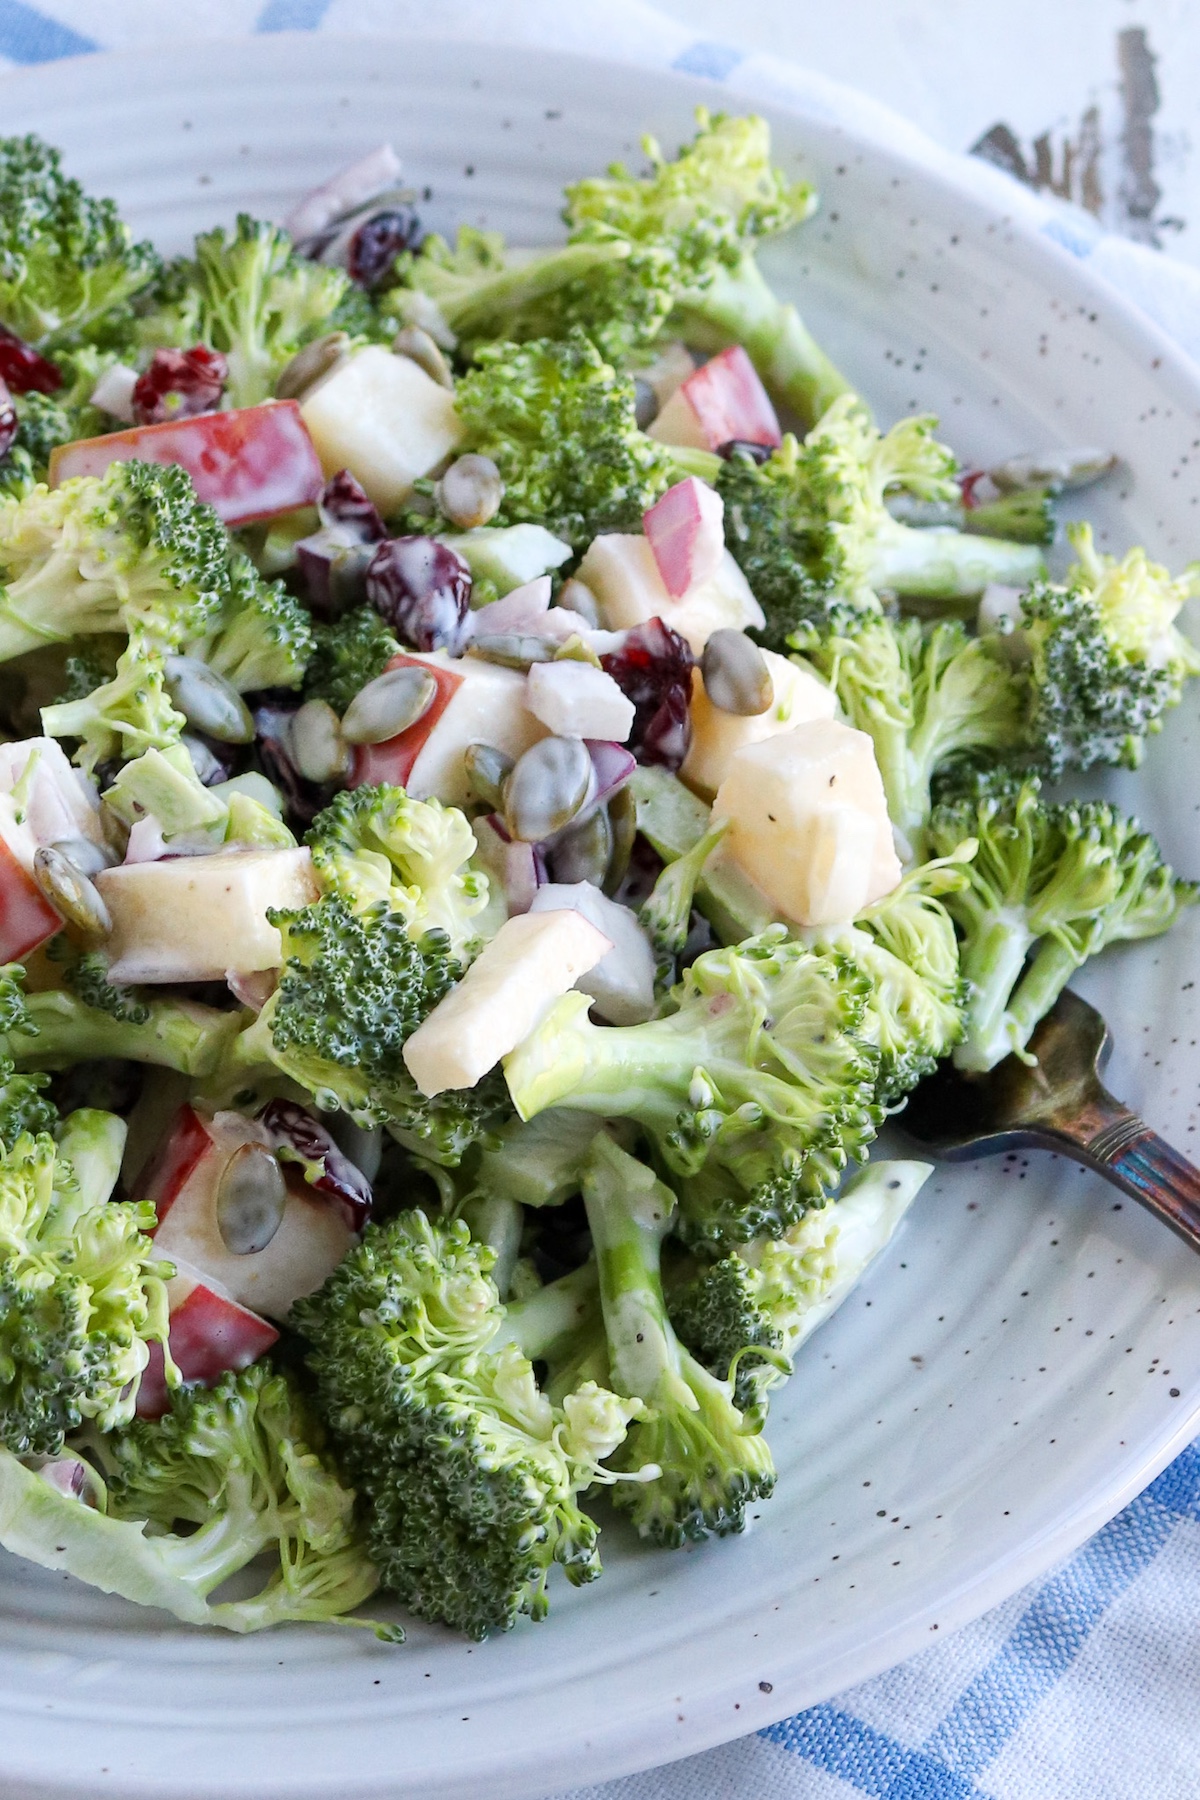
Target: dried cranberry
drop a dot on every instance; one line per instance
(423, 590)
(743, 447)
(967, 483)
(298, 1137)
(179, 384)
(8, 420)
(378, 242)
(344, 504)
(653, 668)
(24, 369)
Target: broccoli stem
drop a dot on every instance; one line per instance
(941, 564)
(738, 307)
(93, 1142)
(550, 1321)
(179, 1034)
(1049, 971)
(487, 308)
(993, 961)
(629, 1211)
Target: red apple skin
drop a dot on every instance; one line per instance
(393, 760)
(685, 530)
(730, 401)
(171, 1167)
(209, 1333)
(27, 918)
(248, 464)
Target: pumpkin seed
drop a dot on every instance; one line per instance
(208, 701)
(420, 348)
(470, 492)
(316, 742)
(251, 1198)
(514, 649)
(549, 786)
(86, 856)
(622, 816)
(71, 892)
(487, 771)
(645, 403)
(389, 705)
(309, 365)
(583, 852)
(736, 676)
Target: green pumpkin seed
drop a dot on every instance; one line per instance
(583, 852)
(316, 742)
(550, 784)
(622, 817)
(736, 676)
(208, 701)
(251, 1199)
(310, 364)
(487, 771)
(514, 649)
(470, 492)
(420, 348)
(389, 705)
(71, 893)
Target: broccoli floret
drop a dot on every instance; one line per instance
(262, 637)
(131, 548)
(699, 1461)
(376, 847)
(675, 246)
(42, 424)
(924, 694)
(56, 1029)
(249, 296)
(755, 1088)
(906, 946)
(81, 1292)
(66, 260)
(470, 1477)
(1106, 658)
(126, 715)
(1049, 887)
(558, 422)
(1023, 517)
(85, 974)
(666, 914)
(228, 1476)
(746, 1316)
(347, 654)
(353, 989)
(24, 1107)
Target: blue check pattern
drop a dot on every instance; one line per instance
(1082, 1687)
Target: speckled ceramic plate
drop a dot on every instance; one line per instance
(1027, 1355)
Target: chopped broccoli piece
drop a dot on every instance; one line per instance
(905, 944)
(42, 424)
(81, 1292)
(558, 422)
(755, 1088)
(375, 846)
(700, 1463)
(131, 548)
(666, 914)
(126, 715)
(262, 637)
(348, 652)
(746, 1316)
(66, 260)
(924, 694)
(674, 247)
(234, 1467)
(1049, 887)
(85, 974)
(57, 1029)
(1106, 658)
(248, 295)
(353, 988)
(470, 1477)
(1023, 517)
(24, 1107)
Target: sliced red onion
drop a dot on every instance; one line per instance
(526, 608)
(253, 990)
(146, 841)
(344, 504)
(523, 867)
(351, 187)
(614, 764)
(334, 567)
(8, 419)
(297, 1137)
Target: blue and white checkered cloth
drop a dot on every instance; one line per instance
(1082, 1687)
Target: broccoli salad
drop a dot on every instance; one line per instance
(509, 776)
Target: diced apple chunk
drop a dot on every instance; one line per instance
(530, 963)
(717, 736)
(686, 532)
(723, 402)
(621, 571)
(622, 983)
(575, 699)
(383, 418)
(197, 917)
(209, 1333)
(808, 821)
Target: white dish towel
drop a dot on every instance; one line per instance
(1084, 1686)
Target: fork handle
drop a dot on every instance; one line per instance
(1113, 1141)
